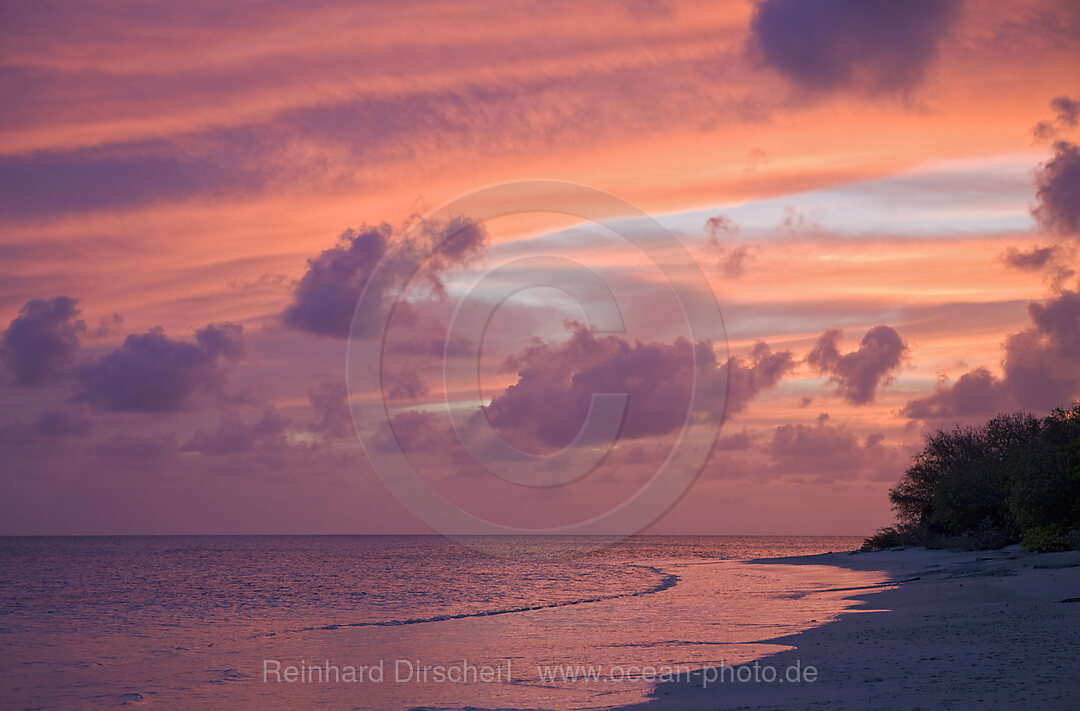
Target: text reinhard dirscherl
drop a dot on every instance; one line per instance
(403, 671)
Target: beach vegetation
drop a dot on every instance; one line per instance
(1013, 479)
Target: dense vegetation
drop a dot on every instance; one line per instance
(1015, 479)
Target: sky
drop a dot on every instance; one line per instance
(338, 267)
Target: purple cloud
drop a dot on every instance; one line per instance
(1034, 259)
(859, 373)
(118, 175)
(423, 432)
(330, 409)
(748, 376)
(42, 340)
(720, 225)
(1057, 206)
(836, 44)
(733, 258)
(403, 384)
(327, 293)
(827, 451)
(733, 261)
(49, 424)
(325, 299)
(974, 394)
(548, 404)
(233, 435)
(1068, 115)
(734, 442)
(1068, 110)
(138, 447)
(152, 373)
(1040, 370)
(63, 422)
(556, 383)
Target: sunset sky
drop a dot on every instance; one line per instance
(884, 199)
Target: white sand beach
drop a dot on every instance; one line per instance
(988, 630)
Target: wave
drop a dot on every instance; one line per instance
(667, 581)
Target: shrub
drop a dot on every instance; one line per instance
(1073, 539)
(988, 537)
(1045, 539)
(892, 537)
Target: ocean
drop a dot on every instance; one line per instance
(391, 622)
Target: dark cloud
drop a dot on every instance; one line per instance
(326, 296)
(42, 340)
(748, 376)
(330, 409)
(1040, 370)
(1034, 259)
(859, 373)
(234, 435)
(150, 372)
(850, 44)
(1057, 207)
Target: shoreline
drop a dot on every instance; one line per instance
(996, 629)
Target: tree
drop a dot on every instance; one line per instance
(1014, 477)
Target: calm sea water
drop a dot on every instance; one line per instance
(216, 622)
